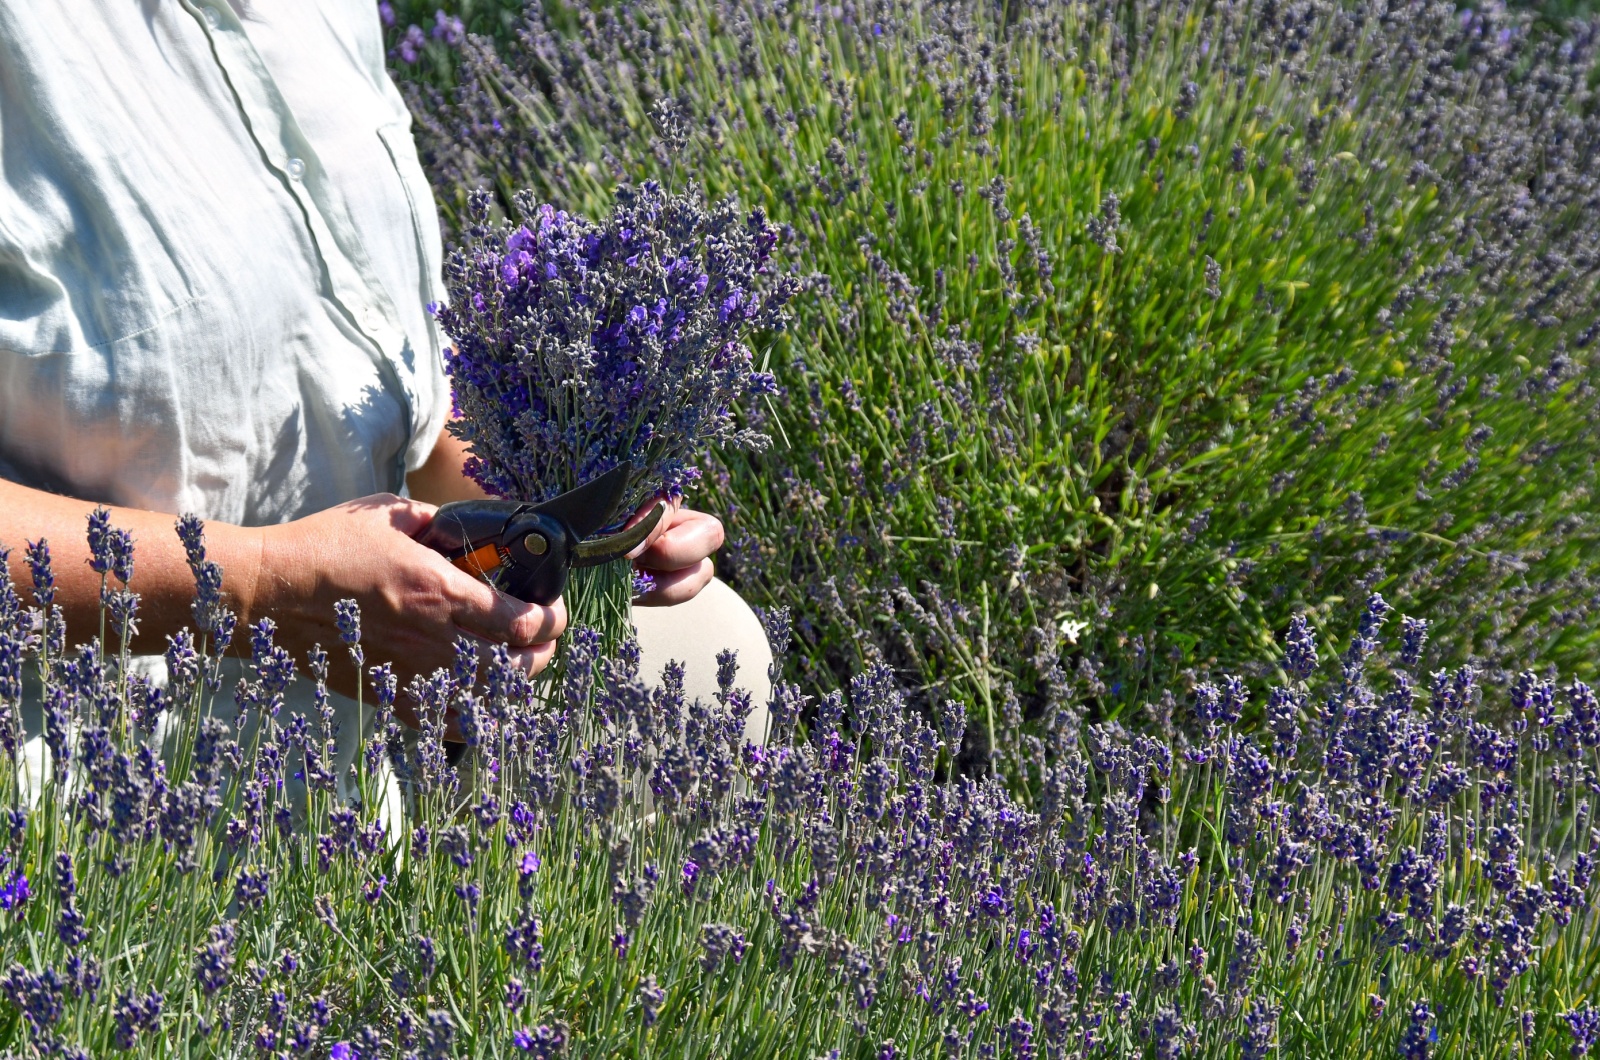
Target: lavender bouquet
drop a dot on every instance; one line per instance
(579, 346)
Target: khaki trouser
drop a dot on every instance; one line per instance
(693, 634)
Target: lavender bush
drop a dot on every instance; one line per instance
(580, 346)
(1128, 330)
(1378, 872)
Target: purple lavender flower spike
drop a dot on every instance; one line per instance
(14, 891)
(1417, 1042)
(522, 944)
(544, 1042)
(213, 962)
(447, 28)
(44, 579)
(38, 997)
(100, 550)
(409, 50)
(1583, 1023)
(651, 998)
(1414, 635)
(1300, 649)
(347, 617)
(136, 1015)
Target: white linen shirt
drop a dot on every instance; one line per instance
(216, 250)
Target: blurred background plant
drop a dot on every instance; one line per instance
(1126, 331)
(499, 19)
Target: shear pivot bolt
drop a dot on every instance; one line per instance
(535, 544)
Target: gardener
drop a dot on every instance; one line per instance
(217, 247)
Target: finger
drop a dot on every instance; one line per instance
(500, 618)
(644, 509)
(679, 586)
(477, 607)
(540, 656)
(668, 518)
(692, 538)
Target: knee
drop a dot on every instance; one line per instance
(739, 628)
(694, 633)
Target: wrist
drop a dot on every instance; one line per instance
(241, 552)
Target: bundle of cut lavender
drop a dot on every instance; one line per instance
(580, 346)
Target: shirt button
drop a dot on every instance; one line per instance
(213, 18)
(372, 318)
(297, 168)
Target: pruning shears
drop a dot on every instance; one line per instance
(525, 550)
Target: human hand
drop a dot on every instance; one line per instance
(677, 554)
(414, 603)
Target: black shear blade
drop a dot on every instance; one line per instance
(591, 505)
(618, 545)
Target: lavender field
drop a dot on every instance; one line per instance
(1161, 441)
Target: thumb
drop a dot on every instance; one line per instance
(668, 517)
(408, 516)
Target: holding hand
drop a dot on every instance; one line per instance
(413, 602)
(677, 554)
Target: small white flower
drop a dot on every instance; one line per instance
(1071, 627)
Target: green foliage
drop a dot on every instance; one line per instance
(1026, 421)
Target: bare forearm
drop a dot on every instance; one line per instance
(441, 480)
(414, 602)
(160, 572)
